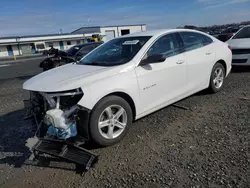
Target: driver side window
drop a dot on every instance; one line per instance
(167, 45)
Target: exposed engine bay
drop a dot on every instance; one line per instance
(55, 113)
(62, 126)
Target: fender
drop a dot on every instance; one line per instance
(94, 92)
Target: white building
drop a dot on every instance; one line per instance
(10, 46)
(110, 32)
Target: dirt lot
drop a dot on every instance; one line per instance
(206, 146)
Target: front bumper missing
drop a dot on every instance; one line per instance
(82, 122)
(33, 111)
(67, 151)
(30, 109)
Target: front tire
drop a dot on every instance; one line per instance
(217, 78)
(110, 120)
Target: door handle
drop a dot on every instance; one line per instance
(180, 62)
(208, 53)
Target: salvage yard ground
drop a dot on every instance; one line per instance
(206, 146)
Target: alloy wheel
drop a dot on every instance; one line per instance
(112, 122)
(218, 78)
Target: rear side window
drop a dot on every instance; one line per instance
(192, 40)
(206, 40)
(168, 45)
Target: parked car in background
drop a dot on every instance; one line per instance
(126, 79)
(227, 33)
(73, 54)
(240, 45)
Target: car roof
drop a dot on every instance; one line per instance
(158, 32)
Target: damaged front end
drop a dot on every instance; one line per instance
(56, 113)
(61, 122)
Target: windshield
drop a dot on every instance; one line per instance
(243, 33)
(115, 52)
(73, 50)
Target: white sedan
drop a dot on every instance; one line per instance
(240, 45)
(125, 79)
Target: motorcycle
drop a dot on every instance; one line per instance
(58, 58)
(55, 59)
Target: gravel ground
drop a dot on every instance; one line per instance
(206, 146)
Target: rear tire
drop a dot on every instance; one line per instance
(217, 78)
(110, 120)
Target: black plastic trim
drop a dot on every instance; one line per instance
(82, 120)
(66, 150)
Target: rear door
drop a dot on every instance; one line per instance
(161, 83)
(200, 57)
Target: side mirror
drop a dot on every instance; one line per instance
(157, 58)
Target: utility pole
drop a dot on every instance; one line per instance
(88, 21)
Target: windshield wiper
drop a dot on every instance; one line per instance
(90, 63)
(96, 63)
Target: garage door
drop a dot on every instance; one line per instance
(110, 34)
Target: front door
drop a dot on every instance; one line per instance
(61, 45)
(10, 50)
(33, 48)
(162, 83)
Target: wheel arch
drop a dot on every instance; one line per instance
(223, 64)
(221, 61)
(127, 98)
(87, 112)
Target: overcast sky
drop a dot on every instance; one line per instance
(22, 17)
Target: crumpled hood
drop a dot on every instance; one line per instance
(239, 43)
(66, 77)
